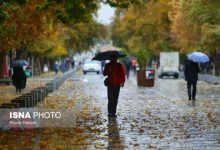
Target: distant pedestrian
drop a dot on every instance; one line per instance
(127, 67)
(19, 78)
(191, 76)
(46, 69)
(67, 63)
(134, 65)
(56, 67)
(116, 78)
(73, 63)
(63, 67)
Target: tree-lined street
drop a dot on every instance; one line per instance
(55, 41)
(148, 118)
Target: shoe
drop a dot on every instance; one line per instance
(194, 98)
(189, 98)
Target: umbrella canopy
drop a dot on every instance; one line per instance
(108, 55)
(198, 57)
(20, 63)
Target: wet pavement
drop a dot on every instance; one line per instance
(162, 117)
(148, 118)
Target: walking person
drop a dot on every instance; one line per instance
(56, 67)
(116, 78)
(128, 67)
(19, 78)
(134, 64)
(191, 76)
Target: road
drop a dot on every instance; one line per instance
(161, 116)
(148, 118)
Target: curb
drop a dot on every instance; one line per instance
(205, 77)
(36, 95)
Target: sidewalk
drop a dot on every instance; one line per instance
(206, 77)
(7, 92)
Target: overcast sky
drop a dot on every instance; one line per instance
(105, 14)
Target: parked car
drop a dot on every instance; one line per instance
(92, 66)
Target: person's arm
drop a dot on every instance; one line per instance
(122, 75)
(198, 69)
(106, 70)
(186, 69)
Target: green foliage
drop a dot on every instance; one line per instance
(21, 2)
(40, 47)
(203, 11)
(121, 3)
(211, 37)
(3, 15)
(80, 10)
(190, 23)
(29, 22)
(81, 36)
(143, 26)
(143, 56)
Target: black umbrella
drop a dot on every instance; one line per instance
(108, 55)
(20, 63)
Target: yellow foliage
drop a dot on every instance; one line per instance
(144, 26)
(25, 24)
(58, 50)
(55, 37)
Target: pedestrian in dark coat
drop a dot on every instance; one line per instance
(116, 78)
(19, 78)
(56, 67)
(191, 76)
(127, 67)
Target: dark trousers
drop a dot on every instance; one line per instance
(113, 93)
(56, 71)
(128, 72)
(191, 92)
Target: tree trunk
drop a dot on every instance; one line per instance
(36, 66)
(2, 63)
(216, 62)
(51, 62)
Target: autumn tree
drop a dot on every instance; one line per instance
(143, 27)
(31, 25)
(21, 24)
(81, 36)
(195, 26)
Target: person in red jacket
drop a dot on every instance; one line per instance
(116, 78)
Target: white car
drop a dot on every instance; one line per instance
(92, 66)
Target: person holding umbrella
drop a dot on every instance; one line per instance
(116, 77)
(19, 77)
(191, 71)
(115, 80)
(191, 76)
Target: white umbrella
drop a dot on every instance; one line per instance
(198, 57)
(20, 63)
